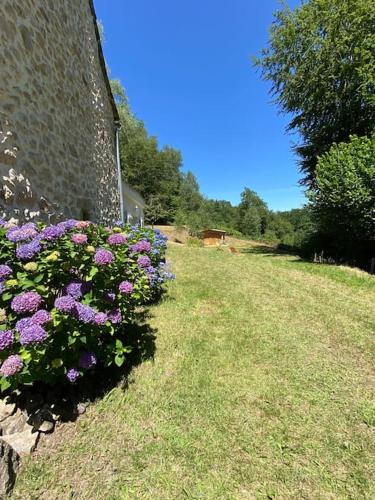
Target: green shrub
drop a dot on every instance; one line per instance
(194, 241)
(343, 198)
(67, 293)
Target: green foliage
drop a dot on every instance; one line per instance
(49, 338)
(343, 196)
(321, 63)
(193, 241)
(252, 215)
(154, 210)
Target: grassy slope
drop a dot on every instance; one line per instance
(261, 387)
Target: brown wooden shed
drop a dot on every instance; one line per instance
(213, 237)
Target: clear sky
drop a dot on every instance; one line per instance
(186, 67)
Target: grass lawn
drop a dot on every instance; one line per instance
(262, 386)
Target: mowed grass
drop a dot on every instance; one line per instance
(262, 386)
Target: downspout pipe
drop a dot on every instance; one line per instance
(118, 161)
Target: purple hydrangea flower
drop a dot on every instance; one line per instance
(65, 304)
(141, 246)
(114, 316)
(22, 324)
(72, 374)
(6, 339)
(51, 233)
(33, 334)
(144, 261)
(101, 318)
(23, 233)
(103, 257)
(76, 289)
(110, 296)
(28, 250)
(12, 365)
(67, 224)
(2, 287)
(79, 238)
(126, 287)
(26, 302)
(5, 271)
(41, 317)
(87, 360)
(85, 313)
(116, 239)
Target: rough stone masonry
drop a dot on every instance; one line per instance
(57, 115)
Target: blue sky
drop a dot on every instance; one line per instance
(187, 70)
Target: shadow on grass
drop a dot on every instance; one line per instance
(267, 250)
(70, 400)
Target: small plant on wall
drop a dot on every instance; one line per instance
(68, 292)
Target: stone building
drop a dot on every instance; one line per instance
(57, 114)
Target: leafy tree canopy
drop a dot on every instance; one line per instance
(321, 64)
(344, 192)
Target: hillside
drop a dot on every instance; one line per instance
(261, 386)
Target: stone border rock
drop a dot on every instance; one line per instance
(24, 416)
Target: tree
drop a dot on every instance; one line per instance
(251, 223)
(321, 64)
(343, 196)
(251, 201)
(190, 196)
(154, 210)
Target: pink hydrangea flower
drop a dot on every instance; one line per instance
(79, 238)
(12, 365)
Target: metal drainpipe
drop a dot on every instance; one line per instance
(117, 127)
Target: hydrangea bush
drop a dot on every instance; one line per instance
(67, 293)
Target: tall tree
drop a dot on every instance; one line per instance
(321, 63)
(251, 201)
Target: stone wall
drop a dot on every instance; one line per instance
(57, 136)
